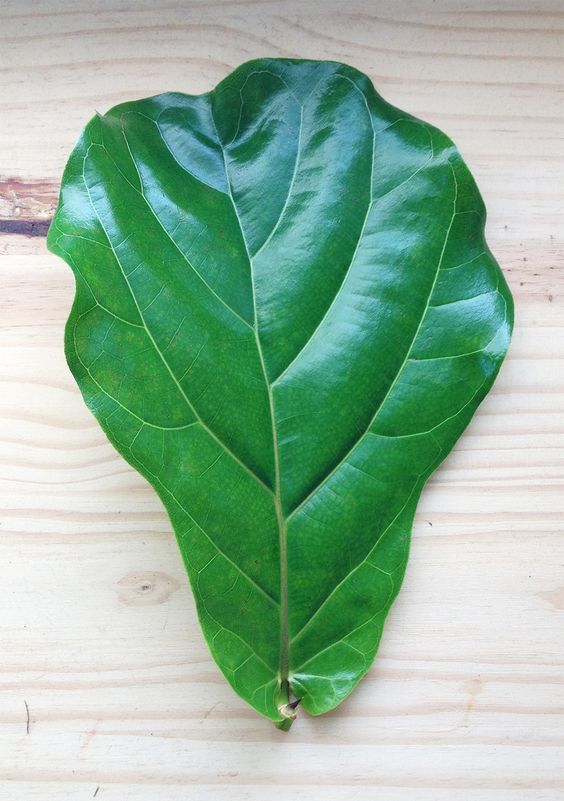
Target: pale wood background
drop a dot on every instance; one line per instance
(98, 634)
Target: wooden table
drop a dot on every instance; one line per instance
(107, 689)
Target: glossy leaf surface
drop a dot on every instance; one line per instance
(285, 316)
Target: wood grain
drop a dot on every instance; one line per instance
(106, 687)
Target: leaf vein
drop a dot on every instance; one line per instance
(400, 370)
(162, 357)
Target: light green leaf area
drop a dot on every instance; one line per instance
(285, 316)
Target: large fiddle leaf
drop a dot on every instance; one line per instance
(285, 316)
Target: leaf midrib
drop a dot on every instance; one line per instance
(282, 521)
(284, 663)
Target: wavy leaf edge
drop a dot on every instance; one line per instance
(119, 305)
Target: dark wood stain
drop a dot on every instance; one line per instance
(25, 227)
(27, 207)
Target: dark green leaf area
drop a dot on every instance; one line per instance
(286, 314)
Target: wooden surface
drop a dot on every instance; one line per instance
(106, 687)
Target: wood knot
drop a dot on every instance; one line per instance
(146, 588)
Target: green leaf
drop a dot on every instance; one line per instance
(285, 316)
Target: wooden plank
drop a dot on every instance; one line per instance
(106, 687)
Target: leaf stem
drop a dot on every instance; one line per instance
(284, 725)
